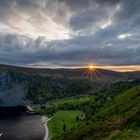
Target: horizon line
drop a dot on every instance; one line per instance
(118, 68)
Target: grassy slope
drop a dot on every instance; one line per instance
(132, 133)
(123, 105)
(60, 118)
(117, 120)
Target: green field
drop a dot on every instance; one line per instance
(61, 118)
(71, 101)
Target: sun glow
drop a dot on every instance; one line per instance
(91, 70)
(91, 67)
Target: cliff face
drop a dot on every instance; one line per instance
(13, 88)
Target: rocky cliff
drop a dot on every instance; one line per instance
(14, 87)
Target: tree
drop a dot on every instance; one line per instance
(64, 128)
(77, 118)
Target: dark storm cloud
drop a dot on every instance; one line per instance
(61, 52)
(24, 3)
(86, 19)
(105, 30)
(129, 8)
(77, 5)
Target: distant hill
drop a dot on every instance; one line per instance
(68, 72)
(23, 86)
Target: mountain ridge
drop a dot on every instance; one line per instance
(26, 85)
(59, 70)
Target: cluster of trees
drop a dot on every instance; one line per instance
(45, 90)
(89, 107)
(107, 95)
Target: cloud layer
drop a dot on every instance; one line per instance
(68, 32)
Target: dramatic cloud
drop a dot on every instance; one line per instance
(69, 32)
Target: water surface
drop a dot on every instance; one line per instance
(22, 127)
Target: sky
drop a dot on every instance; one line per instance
(70, 33)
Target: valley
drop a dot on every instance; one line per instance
(80, 108)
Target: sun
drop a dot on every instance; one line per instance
(90, 71)
(91, 67)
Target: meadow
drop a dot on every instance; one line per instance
(63, 121)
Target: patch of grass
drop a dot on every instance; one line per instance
(61, 118)
(70, 101)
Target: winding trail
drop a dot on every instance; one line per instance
(45, 122)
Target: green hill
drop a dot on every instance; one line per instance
(118, 119)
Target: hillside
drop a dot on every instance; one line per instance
(116, 120)
(20, 86)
